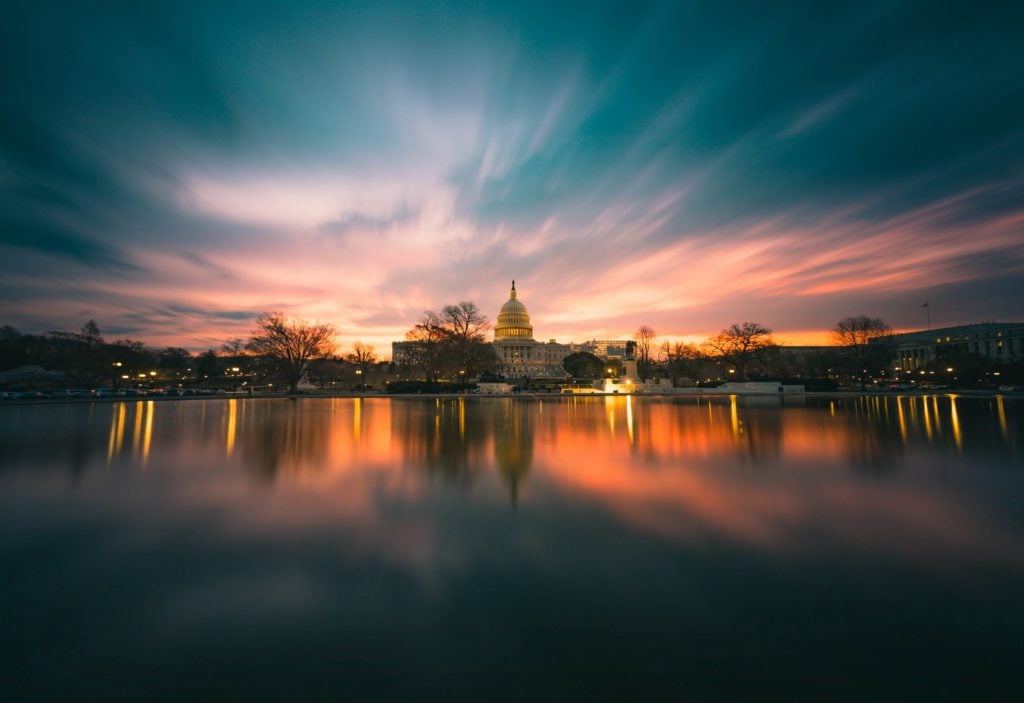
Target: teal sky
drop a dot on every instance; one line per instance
(173, 169)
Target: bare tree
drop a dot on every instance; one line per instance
(740, 345)
(866, 343)
(644, 336)
(464, 321)
(678, 359)
(452, 343)
(362, 357)
(289, 345)
(234, 347)
(91, 333)
(325, 370)
(427, 351)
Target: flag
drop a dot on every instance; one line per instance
(925, 305)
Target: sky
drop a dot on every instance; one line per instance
(171, 170)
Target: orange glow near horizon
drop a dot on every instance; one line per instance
(676, 468)
(797, 281)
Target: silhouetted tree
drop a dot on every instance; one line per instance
(426, 352)
(465, 321)
(679, 360)
(208, 365)
(452, 343)
(289, 345)
(233, 348)
(644, 336)
(740, 345)
(583, 365)
(362, 356)
(866, 344)
(327, 370)
(174, 359)
(91, 333)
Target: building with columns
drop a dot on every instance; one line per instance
(520, 354)
(998, 341)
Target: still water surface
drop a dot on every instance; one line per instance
(579, 549)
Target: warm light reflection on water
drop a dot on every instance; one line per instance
(232, 424)
(505, 528)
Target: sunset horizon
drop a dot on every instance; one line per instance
(172, 174)
(661, 350)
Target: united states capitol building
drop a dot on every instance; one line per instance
(522, 356)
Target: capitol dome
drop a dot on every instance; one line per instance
(513, 320)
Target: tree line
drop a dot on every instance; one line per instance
(747, 350)
(449, 346)
(278, 351)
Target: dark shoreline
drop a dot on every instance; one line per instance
(525, 395)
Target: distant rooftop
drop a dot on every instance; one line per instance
(977, 330)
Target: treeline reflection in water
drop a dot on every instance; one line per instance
(459, 439)
(751, 467)
(742, 544)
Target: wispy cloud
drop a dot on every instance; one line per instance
(674, 164)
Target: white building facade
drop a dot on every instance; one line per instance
(520, 354)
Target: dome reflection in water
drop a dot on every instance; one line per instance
(865, 547)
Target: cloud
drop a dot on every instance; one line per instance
(168, 171)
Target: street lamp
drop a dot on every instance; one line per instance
(359, 378)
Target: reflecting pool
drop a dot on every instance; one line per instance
(847, 548)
